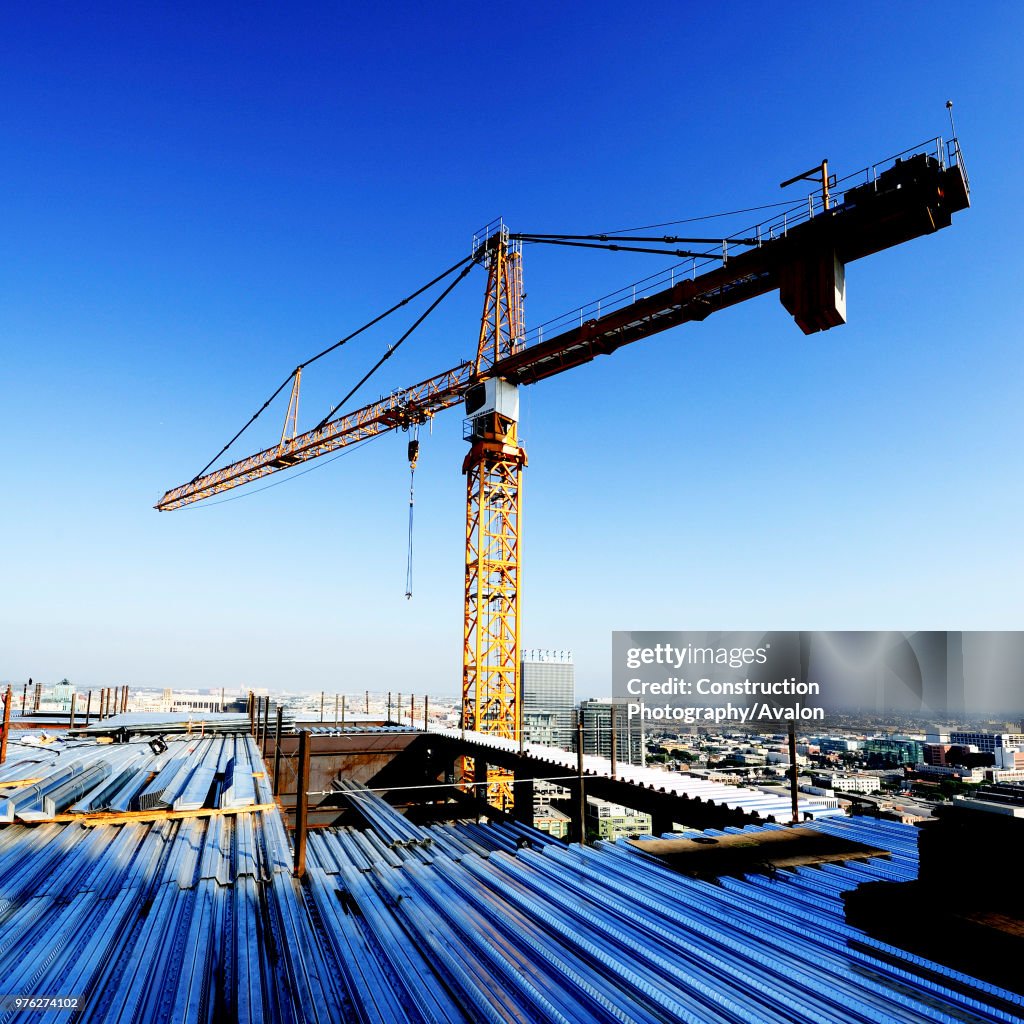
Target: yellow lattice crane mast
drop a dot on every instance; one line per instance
(494, 476)
(494, 473)
(803, 253)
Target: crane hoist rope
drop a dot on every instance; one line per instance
(414, 454)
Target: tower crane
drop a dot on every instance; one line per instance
(803, 256)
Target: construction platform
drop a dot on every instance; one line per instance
(195, 914)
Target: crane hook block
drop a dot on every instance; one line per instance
(414, 452)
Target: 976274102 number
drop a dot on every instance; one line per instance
(33, 1002)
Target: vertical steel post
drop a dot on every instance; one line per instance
(88, 706)
(251, 707)
(71, 717)
(426, 708)
(793, 790)
(8, 699)
(24, 697)
(367, 702)
(124, 706)
(389, 706)
(615, 742)
(343, 712)
(265, 727)
(301, 804)
(399, 715)
(222, 700)
(277, 751)
(321, 705)
(581, 799)
(519, 716)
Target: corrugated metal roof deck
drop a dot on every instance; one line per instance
(199, 919)
(745, 798)
(38, 783)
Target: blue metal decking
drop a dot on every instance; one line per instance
(200, 919)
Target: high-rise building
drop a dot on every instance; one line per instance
(548, 688)
(596, 715)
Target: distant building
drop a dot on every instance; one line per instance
(942, 754)
(610, 820)
(838, 745)
(935, 753)
(62, 696)
(988, 742)
(190, 702)
(544, 727)
(596, 716)
(167, 700)
(782, 757)
(548, 688)
(545, 792)
(746, 758)
(893, 750)
(957, 772)
(549, 819)
(847, 782)
(1008, 758)
(975, 804)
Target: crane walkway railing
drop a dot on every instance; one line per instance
(946, 152)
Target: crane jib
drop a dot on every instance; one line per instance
(914, 197)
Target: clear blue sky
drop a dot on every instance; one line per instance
(196, 197)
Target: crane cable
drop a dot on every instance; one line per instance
(414, 454)
(392, 349)
(667, 239)
(681, 253)
(419, 291)
(708, 216)
(330, 348)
